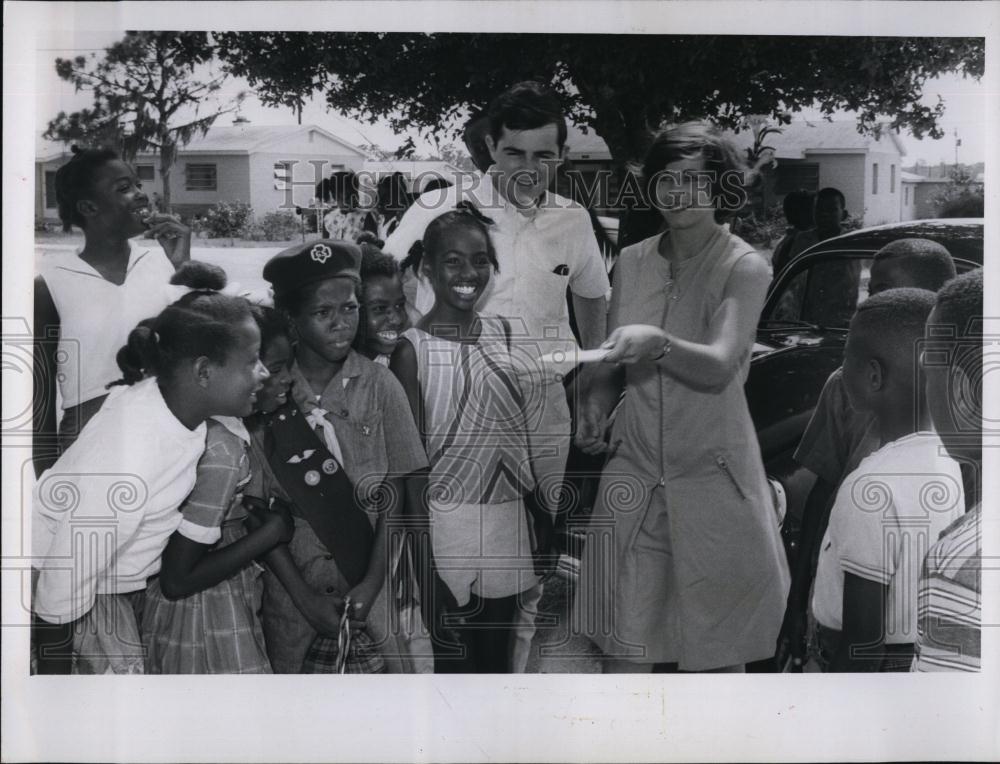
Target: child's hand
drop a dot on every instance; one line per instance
(324, 611)
(282, 519)
(171, 233)
(362, 598)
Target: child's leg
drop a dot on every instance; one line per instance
(488, 630)
(53, 645)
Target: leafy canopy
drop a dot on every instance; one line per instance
(622, 86)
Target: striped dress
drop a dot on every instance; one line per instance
(218, 630)
(480, 469)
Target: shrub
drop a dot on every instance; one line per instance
(761, 230)
(227, 220)
(273, 226)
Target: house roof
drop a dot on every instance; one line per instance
(222, 139)
(587, 145)
(912, 177)
(795, 141)
(247, 138)
(801, 138)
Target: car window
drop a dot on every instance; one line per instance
(825, 292)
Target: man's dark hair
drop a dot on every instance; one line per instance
(526, 106)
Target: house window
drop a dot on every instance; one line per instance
(50, 190)
(906, 194)
(790, 177)
(282, 175)
(200, 177)
(892, 179)
(875, 178)
(145, 172)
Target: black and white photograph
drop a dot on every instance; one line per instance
(548, 360)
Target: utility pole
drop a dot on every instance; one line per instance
(958, 142)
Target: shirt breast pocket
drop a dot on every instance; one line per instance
(368, 453)
(544, 292)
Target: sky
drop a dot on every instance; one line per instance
(964, 107)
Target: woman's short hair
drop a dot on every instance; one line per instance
(730, 176)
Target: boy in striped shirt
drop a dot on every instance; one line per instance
(950, 592)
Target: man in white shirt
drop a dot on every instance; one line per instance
(544, 244)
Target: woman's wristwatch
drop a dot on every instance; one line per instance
(667, 346)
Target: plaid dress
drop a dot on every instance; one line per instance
(218, 630)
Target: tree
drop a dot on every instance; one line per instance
(622, 86)
(151, 93)
(962, 197)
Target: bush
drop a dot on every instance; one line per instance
(764, 231)
(227, 220)
(273, 226)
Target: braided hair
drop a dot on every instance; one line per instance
(465, 214)
(201, 323)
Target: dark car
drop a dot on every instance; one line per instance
(800, 341)
(803, 329)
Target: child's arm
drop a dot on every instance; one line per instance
(363, 595)
(403, 364)
(44, 421)
(188, 564)
(189, 567)
(322, 611)
(863, 625)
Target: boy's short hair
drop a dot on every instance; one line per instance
(889, 325)
(526, 106)
(798, 208)
(831, 193)
(960, 305)
(928, 263)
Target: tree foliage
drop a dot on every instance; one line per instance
(622, 86)
(151, 93)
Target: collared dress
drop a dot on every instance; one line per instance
(480, 466)
(217, 630)
(377, 439)
(683, 560)
(95, 318)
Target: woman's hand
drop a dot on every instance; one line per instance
(635, 343)
(591, 427)
(172, 234)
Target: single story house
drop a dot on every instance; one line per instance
(814, 154)
(269, 167)
(810, 155)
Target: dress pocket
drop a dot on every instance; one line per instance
(725, 466)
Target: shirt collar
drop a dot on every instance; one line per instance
(305, 396)
(498, 199)
(169, 425)
(235, 426)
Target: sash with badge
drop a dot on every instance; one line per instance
(319, 487)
